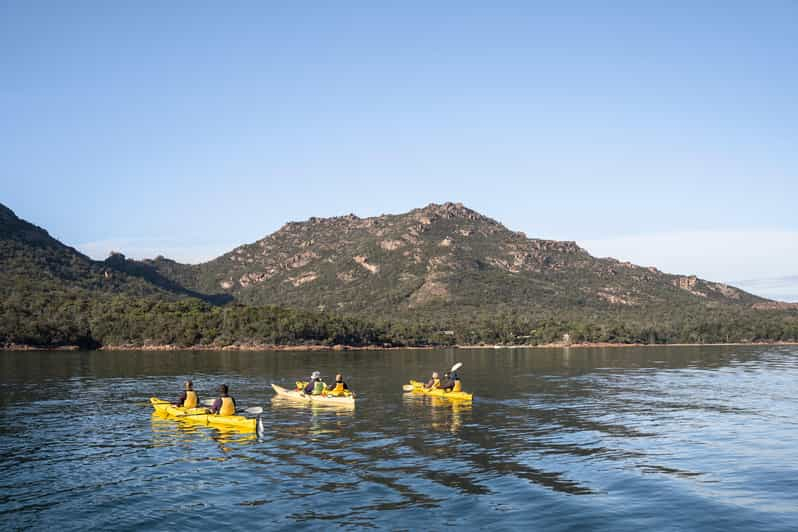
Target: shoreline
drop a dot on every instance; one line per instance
(331, 348)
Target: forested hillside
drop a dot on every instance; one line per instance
(439, 275)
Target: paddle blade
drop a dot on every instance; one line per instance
(254, 410)
(456, 367)
(207, 402)
(407, 387)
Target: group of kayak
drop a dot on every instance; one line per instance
(222, 410)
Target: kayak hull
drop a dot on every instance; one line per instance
(201, 416)
(418, 387)
(314, 399)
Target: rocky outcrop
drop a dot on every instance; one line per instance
(391, 245)
(363, 261)
(306, 277)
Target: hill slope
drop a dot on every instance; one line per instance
(29, 255)
(439, 259)
(52, 295)
(439, 275)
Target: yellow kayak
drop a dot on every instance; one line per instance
(201, 416)
(347, 400)
(418, 387)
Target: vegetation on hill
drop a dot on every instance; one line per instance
(394, 280)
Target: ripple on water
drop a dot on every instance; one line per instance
(675, 438)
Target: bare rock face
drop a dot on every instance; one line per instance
(306, 277)
(612, 296)
(346, 277)
(686, 283)
(364, 262)
(689, 284)
(391, 245)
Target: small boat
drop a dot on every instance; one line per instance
(297, 395)
(201, 416)
(418, 387)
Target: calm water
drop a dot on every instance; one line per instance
(604, 439)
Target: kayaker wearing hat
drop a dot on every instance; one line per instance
(315, 386)
(339, 387)
(188, 398)
(434, 382)
(224, 405)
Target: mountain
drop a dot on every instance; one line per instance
(52, 295)
(29, 255)
(439, 275)
(439, 260)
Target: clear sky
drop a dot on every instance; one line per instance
(665, 133)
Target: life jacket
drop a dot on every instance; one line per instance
(458, 386)
(436, 383)
(228, 407)
(191, 399)
(338, 390)
(318, 387)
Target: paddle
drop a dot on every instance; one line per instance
(409, 387)
(250, 410)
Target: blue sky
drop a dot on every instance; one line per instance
(660, 132)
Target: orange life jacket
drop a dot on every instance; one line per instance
(228, 407)
(338, 390)
(191, 399)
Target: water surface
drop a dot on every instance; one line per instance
(601, 439)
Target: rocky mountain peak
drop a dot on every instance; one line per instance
(450, 211)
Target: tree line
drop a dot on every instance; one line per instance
(49, 315)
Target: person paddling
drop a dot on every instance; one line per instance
(340, 386)
(451, 383)
(434, 382)
(189, 398)
(446, 383)
(315, 386)
(224, 405)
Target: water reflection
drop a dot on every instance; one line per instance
(617, 439)
(167, 430)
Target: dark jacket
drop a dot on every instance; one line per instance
(447, 384)
(309, 388)
(181, 400)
